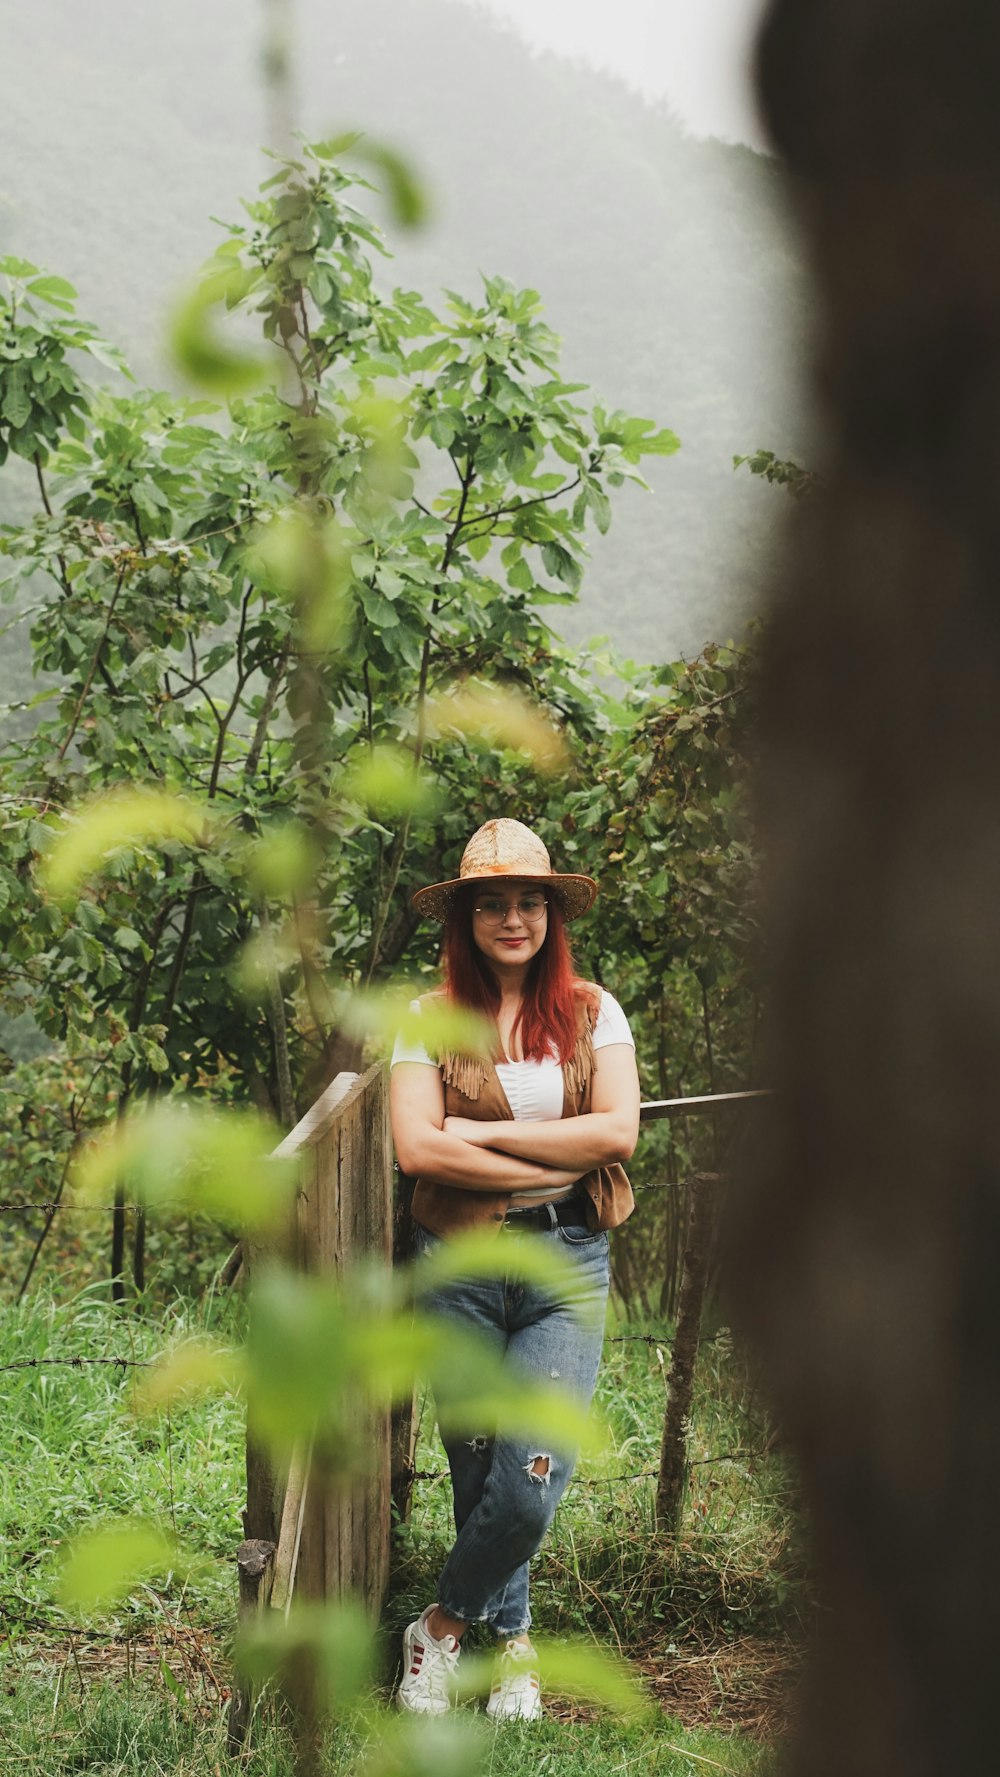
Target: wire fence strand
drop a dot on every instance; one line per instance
(51, 1209)
(77, 1362)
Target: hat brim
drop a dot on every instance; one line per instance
(576, 893)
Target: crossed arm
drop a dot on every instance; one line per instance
(509, 1156)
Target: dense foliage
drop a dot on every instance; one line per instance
(419, 486)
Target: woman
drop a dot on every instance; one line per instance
(532, 1139)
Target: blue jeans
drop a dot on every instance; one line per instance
(503, 1506)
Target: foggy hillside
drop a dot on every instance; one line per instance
(662, 259)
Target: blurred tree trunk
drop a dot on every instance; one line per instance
(866, 1249)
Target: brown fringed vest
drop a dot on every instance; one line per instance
(472, 1089)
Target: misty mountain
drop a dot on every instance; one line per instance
(664, 261)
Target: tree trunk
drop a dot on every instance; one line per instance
(866, 1252)
(672, 1479)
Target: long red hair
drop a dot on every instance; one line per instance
(547, 1016)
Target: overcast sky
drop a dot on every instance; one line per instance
(693, 52)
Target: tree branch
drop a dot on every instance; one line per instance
(398, 851)
(252, 759)
(93, 667)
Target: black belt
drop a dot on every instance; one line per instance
(570, 1212)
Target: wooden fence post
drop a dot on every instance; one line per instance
(255, 1566)
(324, 1540)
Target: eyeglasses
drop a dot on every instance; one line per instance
(494, 912)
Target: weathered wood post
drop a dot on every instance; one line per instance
(306, 1533)
(255, 1566)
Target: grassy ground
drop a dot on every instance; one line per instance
(707, 1621)
(120, 1733)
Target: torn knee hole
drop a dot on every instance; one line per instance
(539, 1468)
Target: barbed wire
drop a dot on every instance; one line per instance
(645, 1474)
(77, 1363)
(32, 1618)
(51, 1209)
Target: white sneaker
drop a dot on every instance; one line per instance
(516, 1694)
(429, 1669)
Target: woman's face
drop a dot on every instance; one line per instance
(510, 921)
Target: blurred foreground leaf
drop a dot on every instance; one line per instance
(322, 1352)
(119, 820)
(386, 781)
(300, 555)
(283, 861)
(102, 1566)
(268, 954)
(486, 1253)
(569, 1669)
(382, 1014)
(399, 180)
(427, 1746)
(502, 716)
(219, 368)
(320, 1654)
(198, 1367)
(181, 1154)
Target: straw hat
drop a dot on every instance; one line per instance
(498, 851)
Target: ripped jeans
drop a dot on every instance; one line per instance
(506, 1490)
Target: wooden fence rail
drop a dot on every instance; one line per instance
(654, 1110)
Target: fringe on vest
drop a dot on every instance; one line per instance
(578, 1069)
(467, 1074)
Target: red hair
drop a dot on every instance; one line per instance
(547, 1017)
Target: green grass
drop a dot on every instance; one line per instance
(73, 1452)
(135, 1732)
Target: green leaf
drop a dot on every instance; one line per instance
(382, 1013)
(302, 556)
(384, 780)
(325, 1651)
(107, 355)
(428, 1746)
(116, 821)
(572, 1669)
(379, 610)
(16, 404)
(127, 939)
(400, 182)
(599, 505)
(53, 290)
(283, 861)
(103, 1565)
(183, 1155)
(200, 354)
(195, 1368)
(17, 268)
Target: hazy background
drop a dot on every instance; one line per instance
(559, 146)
